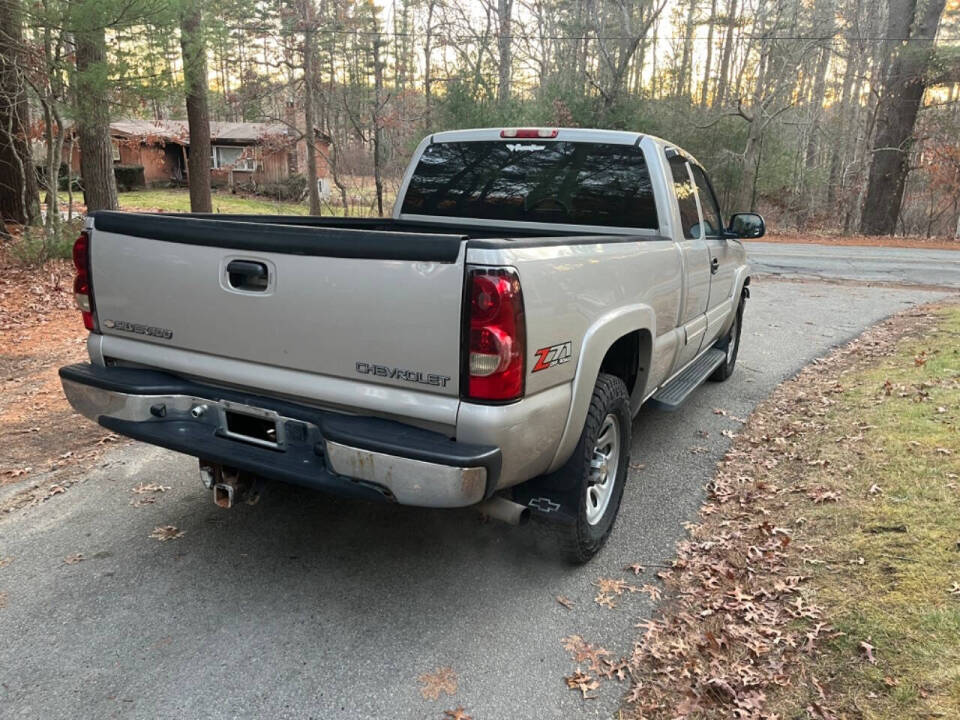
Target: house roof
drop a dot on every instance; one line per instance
(179, 132)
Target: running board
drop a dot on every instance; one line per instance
(672, 395)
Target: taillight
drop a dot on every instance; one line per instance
(82, 291)
(529, 133)
(495, 335)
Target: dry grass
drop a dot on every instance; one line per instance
(823, 580)
(883, 559)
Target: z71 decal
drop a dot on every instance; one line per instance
(552, 356)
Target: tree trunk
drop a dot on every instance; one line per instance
(705, 89)
(725, 58)
(823, 12)
(93, 120)
(504, 40)
(427, 76)
(193, 47)
(377, 123)
(309, 102)
(19, 199)
(900, 101)
(683, 76)
(838, 155)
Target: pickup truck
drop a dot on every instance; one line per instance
(487, 345)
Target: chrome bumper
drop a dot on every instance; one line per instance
(405, 480)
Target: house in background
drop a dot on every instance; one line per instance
(243, 154)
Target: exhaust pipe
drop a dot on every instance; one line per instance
(504, 510)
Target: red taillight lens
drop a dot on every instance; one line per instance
(82, 293)
(529, 133)
(496, 335)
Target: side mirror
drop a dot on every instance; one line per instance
(747, 225)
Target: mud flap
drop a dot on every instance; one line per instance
(546, 502)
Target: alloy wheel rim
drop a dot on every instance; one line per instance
(604, 464)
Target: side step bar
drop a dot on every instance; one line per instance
(672, 395)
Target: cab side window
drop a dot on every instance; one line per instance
(686, 197)
(712, 219)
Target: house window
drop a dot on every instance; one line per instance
(116, 150)
(235, 158)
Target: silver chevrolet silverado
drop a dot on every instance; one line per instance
(488, 345)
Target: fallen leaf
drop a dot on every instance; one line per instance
(604, 600)
(74, 559)
(4, 561)
(3, 600)
(944, 451)
(890, 682)
(444, 680)
(583, 683)
(140, 502)
(458, 714)
(921, 359)
(867, 650)
(167, 532)
(954, 589)
(613, 586)
(652, 590)
(565, 601)
(719, 411)
(637, 568)
(876, 489)
(149, 488)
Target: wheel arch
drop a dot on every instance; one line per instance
(620, 343)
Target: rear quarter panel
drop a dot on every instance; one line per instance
(574, 293)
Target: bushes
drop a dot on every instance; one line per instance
(291, 188)
(129, 177)
(38, 244)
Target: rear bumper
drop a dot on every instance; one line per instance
(348, 455)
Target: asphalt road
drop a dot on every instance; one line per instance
(307, 606)
(907, 266)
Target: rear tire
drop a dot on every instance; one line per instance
(595, 473)
(730, 344)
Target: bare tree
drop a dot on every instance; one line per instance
(93, 111)
(900, 100)
(193, 47)
(19, 201)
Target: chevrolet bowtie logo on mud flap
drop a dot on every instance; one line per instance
(543, 504)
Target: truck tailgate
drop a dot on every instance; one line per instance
(374, 307)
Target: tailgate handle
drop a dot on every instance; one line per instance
(247, 275)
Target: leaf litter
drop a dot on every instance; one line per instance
(737, 626)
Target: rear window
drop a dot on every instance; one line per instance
(531, 181)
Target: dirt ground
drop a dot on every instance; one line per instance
(40, 330)
(935, 243)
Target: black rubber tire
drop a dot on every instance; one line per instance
(725, 370)
(580, 541)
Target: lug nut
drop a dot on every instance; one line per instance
(198, 411)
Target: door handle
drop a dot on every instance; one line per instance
(714, 266)
(248, 275)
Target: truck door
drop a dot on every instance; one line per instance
(722, 257)
(696, 262)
